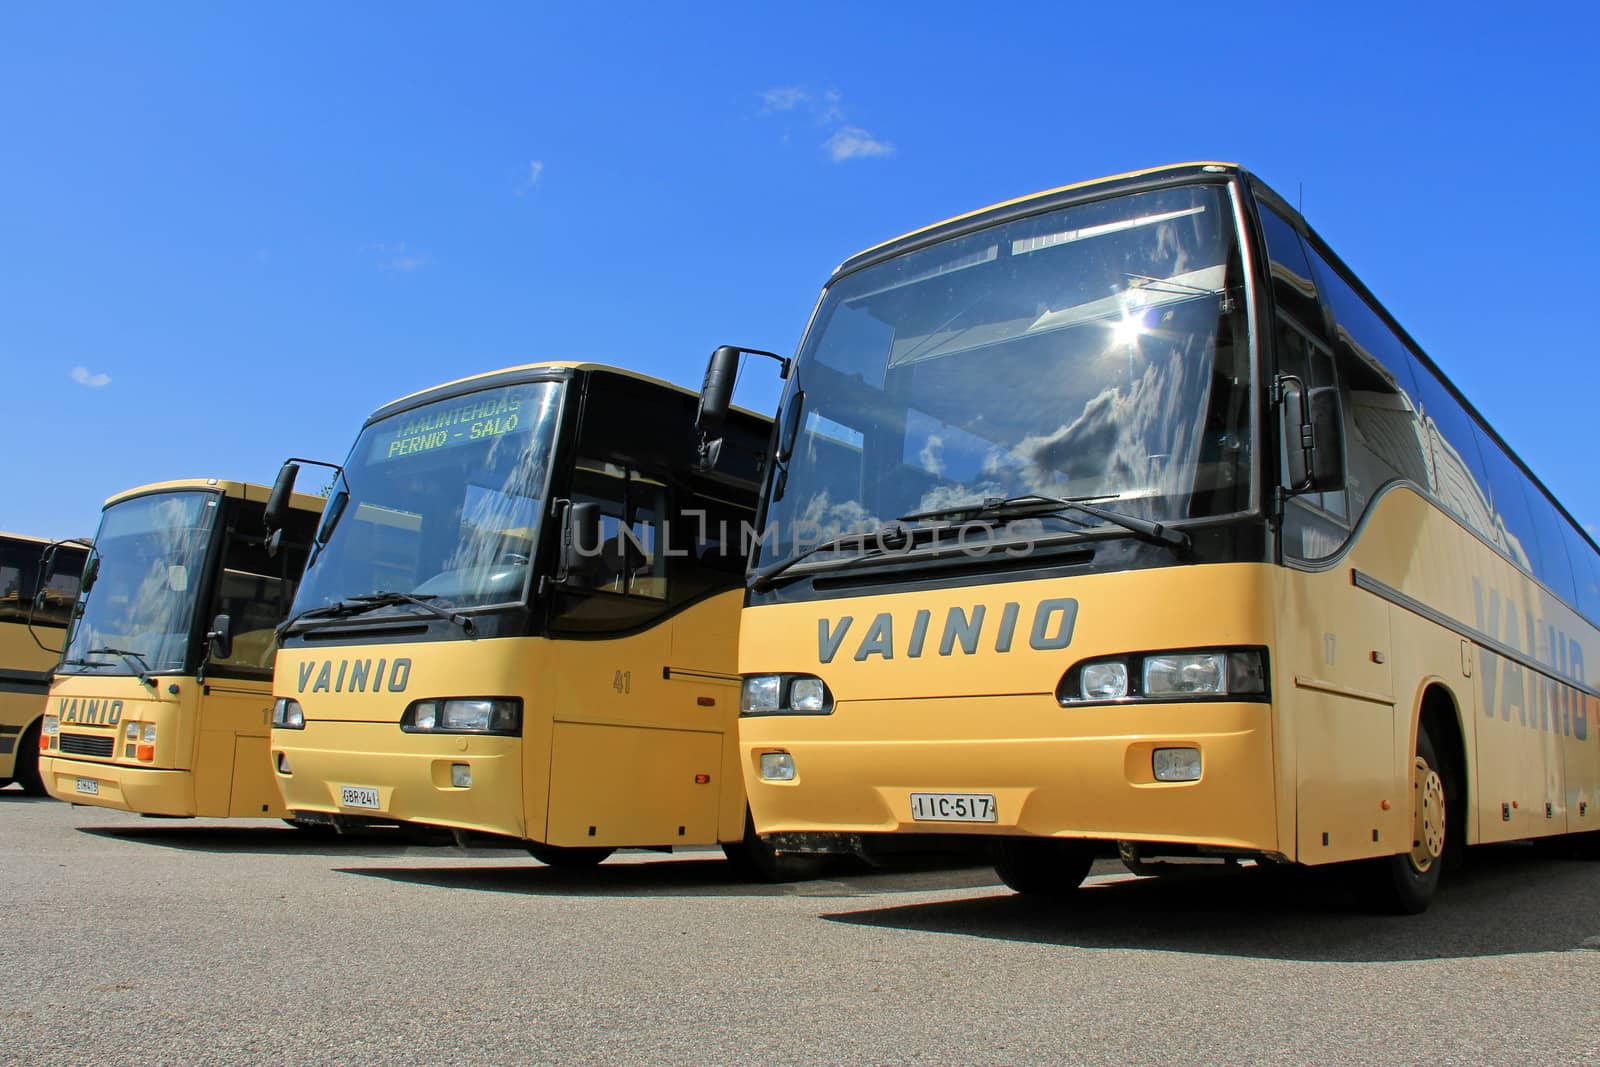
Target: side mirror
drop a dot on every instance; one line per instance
(716, 392)
(278, 501)
(580, 539)
(1313, 434)
(220, 637)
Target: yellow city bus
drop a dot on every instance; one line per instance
(520, 619)
(1124, 513)
(162, 701)
(28, 652)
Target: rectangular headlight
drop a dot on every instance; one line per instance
(52, 724)
(761, 693)
(1104, 681)
(286, 715)
(1186, 674)
(777, 767)
(807, 694)
(148, 735)
(464, 715)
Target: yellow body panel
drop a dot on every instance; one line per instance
(22, 701)
(1319, 774)
(617, 733)
(210, 756)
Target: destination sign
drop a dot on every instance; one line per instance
(451, 423)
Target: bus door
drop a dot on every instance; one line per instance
(254, 590)
(622, 726)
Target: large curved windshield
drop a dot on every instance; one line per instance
(1096, 352)
(442, 501)
(138, 614)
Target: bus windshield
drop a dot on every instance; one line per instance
(442, 501)
(139, 612)
(1096, 352)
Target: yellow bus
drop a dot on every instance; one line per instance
(521, 617)
(1124, 514)
(33, 616)
(162, 702)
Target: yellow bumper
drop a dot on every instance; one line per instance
(1053, 771)
(144, 790)
(411, 774)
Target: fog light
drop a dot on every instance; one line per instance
(461, 775)
(149, 737)
(777, 767)
(1176, 764)
(1104, 681)
(283, 765)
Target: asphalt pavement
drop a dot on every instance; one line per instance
(137, 941)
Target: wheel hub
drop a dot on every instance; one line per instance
(1427, 815)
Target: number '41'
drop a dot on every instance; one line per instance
(623, 682)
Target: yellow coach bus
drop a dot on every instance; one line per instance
(520, 620)
(33, 617)
(1124, 513)
(161, 704)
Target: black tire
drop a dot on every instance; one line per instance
(753, 859)
(568, 859)
(1403, 884)
(1041, 866)
(26, 772)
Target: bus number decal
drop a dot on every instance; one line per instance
(622, 682)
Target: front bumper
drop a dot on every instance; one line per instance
(144, 790)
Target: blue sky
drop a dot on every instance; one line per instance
(229, 233)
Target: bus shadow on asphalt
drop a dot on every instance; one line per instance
(263, 840)
(1505, 901)
(685, 877)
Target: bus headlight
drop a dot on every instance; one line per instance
(464, 715)
(1209, 674)
(52, 725)
(286, 715)
(785, 694)
(148, 734)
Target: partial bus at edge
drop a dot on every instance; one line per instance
(33, 621)
(161, 704)
(1142, 529)
(519, 620)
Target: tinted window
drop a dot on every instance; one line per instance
(255, 590)
(1515, 529)
(1549, 528)
(1460, 479)
(19, 573)
(1586, 572)
(1292, 287)
(624, 583)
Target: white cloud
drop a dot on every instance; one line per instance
(826, 109)
(535, 172)
(395, 256)
(852, 142)
(786, 98)
(82, 376)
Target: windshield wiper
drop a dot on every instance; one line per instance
(888, 537)
(1032, 504)
(359, 605)
(140, 665)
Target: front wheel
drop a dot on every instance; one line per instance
(755, 859)
(568, 859)
(26, 772)
(1041, 866)
(1404, 884)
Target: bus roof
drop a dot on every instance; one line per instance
(1230, 168)
(238, 490)
(554, 364)
(42, 541)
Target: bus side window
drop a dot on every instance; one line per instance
(626, 584)
(255, 590)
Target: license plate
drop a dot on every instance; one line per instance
(358, 796)
(954, 807)
(89, 787)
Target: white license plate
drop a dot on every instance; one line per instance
(89, 787)
(358, 796)
(954, 807)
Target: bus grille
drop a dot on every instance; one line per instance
(87, 745)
